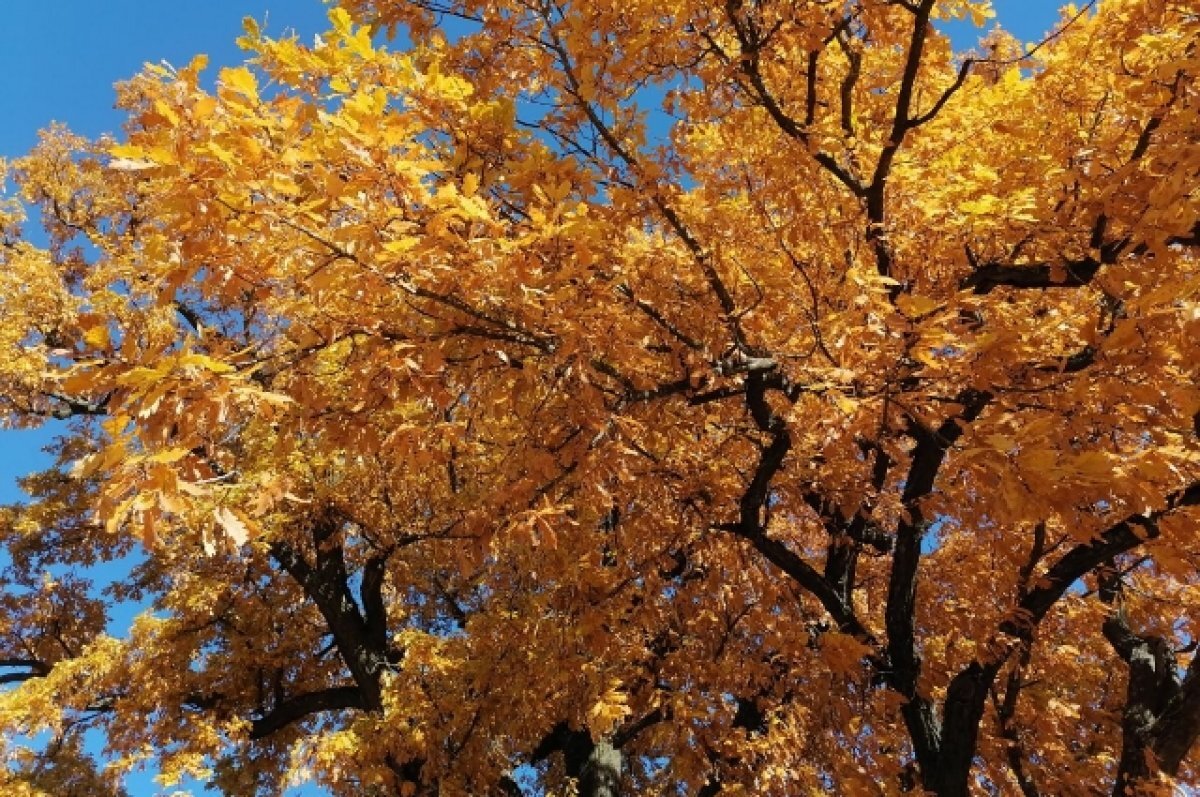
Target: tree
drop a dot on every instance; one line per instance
(743, 398)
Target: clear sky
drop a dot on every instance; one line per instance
(60, 59)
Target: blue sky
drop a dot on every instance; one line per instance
(61, 57)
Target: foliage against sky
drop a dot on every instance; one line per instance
(842, 440)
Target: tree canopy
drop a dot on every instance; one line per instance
(524, 396)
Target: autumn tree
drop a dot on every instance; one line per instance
(627, 397)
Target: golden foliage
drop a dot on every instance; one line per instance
(760, 393)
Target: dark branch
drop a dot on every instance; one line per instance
(337, 698)
(1041, 276)
(328, 588)
(1118, 539)
(374, 606)
(751, 526)
(900, 615)
(35, 669)
(70, 407)
(968, 690)
(762, 94)
(963, 71)
(1178, 726)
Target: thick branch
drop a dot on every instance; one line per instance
(1081, 560)
(968, 690)
(1041, 276)
(327, 586)
(371, 594)
(751, 526)
(900, 615)
(335, 698)
(1178, 727)
(595, 765)
(876, 192)
(1162, 712)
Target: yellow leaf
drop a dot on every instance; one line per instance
(915, 306)
(97, 337)
(340, 19)
(983, 206)
(128, 165)
(233, 525)
(204, 108)
(609, 710)
(401, 245)
(168, 455)
(206, 362)
(470, 184)
(250, 26)
(980, 15)
(131, 151)
(844, 402)
(241, 80)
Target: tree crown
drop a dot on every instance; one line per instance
(705, 398)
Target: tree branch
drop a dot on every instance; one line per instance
(748, 61)
(294, 709)
(1118, 539)
(327, 586)
(969, 688)
(900, 614)
(750, 525)
(1041, 276)
(1178, 726)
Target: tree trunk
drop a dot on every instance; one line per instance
(596, 766)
